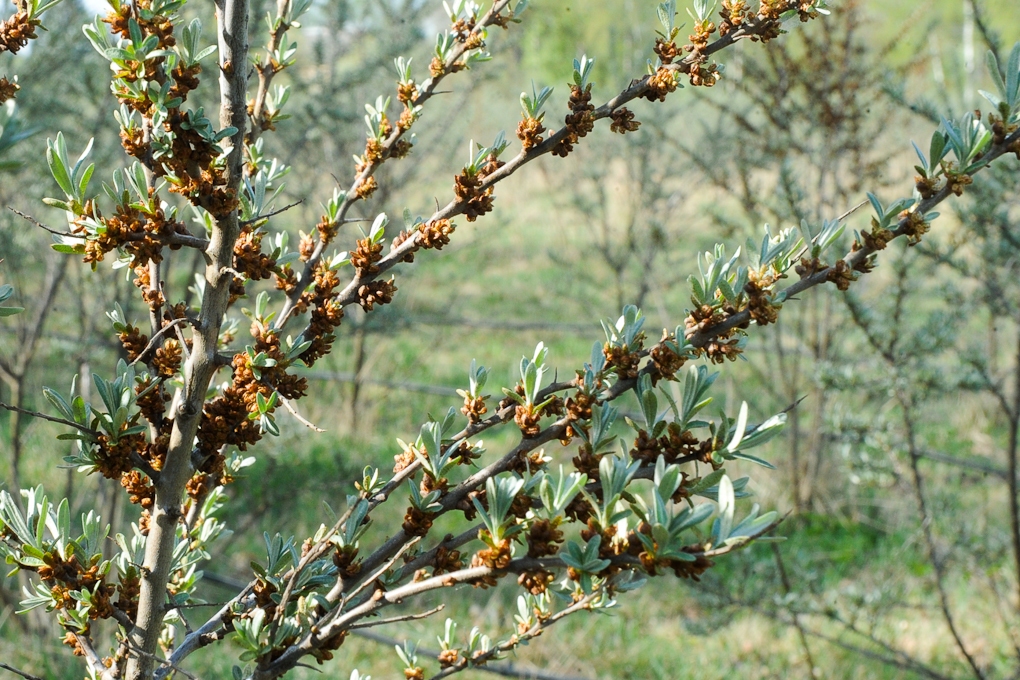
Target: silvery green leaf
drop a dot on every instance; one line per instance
(739, 428)
(727, 506)
(765, 432)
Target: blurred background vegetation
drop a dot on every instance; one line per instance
(895, 465)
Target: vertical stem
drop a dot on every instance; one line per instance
(793, 424)
(14, 371)
(232, 31)
(15, 422)
(929, 538)
(785, 579)
(968, 52)
(359, 364)
(1011, 453)
(817, 440)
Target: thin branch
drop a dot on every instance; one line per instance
(155, 338)
(297, 416)
(12, 669)
(274, 213)
(173, 238)
(787, 589)
(206, 634)
(398, 619)
(507, 670)
(896, 658)
(427, 90)
(479, 659)
(163, 662)
(382, 570)
(403, 385)
(855, 258)
(43, 416)
(988, 34)
(926, 527)
(40, 224)
(91, 656)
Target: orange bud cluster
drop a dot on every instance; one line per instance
(758, 305)
(7, 89)
(435, 234)
(365, 255)
(497, 556)
(376, 293)
(225, 420)
(623, 360)
(474, 408)
(734, 13)
(167, 360)
(666, 50)
(407, 92)
(249, 258)
(535, 582)
(467, 189)
(956, 181)
(446, 560)
(399, 239)
(660, 84)
(133, 340)
(140, 489)
(529, 131)
(113, 458)
(623, 121)
(724, 345)
(417, 522)
(840, 274)
(326, 314)
(666, 361)
(153, 403)
(543, 538)
(16, 32)
(63, 576)
(579, 122)
(528, 419)
(878, 238)
(345, 562)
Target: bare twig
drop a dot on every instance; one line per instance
(298, 417)
(504, 669)
(273, 213)
(479, 659)
(402, 385)
(172, 239)
(39, 224)
(936, 561)
(12, 669)
(155, 339)
(397, 619)
(163, 663)
(43, 416)
(894, 657)
(206, 634)
(382, 570)
(785, 580)
(988, 34)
